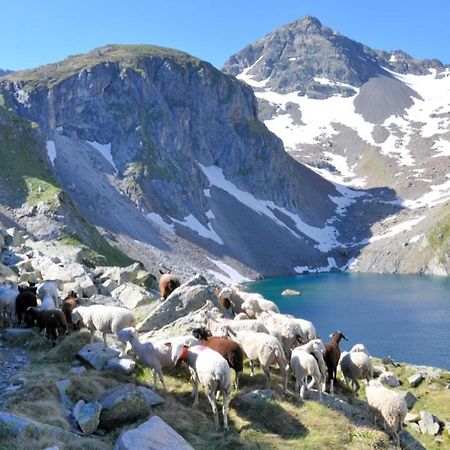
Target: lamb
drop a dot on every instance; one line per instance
(264, 348)
(218, 327)
(50, 288)
(50, 320)
(69, 304)
(167, 284)
(356, 365)
(390, 405)
(210, 370)
(316, 348)
(25, 299)
(331, 357)
(145, 351)
(304, 364)
(229, 349)
(228, 298)
(107, 319)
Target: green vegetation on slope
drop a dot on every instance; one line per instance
(439, 238)
(24, 175)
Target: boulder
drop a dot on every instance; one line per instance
(154, 434)
(187, 298)
(121, 365)
(62, 386)
(87, 416)
(15, 237)
(415, 380)
(410, 399)
(126, 403)
(131, 295)
(389, 379)
(260, 395)
(6, 273)
(378, 369)
(411, 417)
(96, 356)
(108, 286)
(427, 424)
(86, 286)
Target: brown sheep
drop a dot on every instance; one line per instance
(69, 304)
(167, 284)
(51, 319)
(331, 357)
(229, 349)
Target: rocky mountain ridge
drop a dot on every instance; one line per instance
(374, 123)
(177, 147)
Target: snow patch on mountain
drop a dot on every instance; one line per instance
(105, 151)
(229, 275)
(51, 151)
(326, 237)
(156, 218)
(246, 78)
(307, 269)
(195, 225)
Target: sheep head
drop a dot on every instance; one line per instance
(179, 352)
(126, 334)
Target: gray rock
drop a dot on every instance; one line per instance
(183, 300)
(131, 295)
(415, 380)
(78, 370)
(407, 441)
(410, 417)
(388, 360)
(260, 395)
(126, 404)
(121, 365)
(108, 286)
(87, 416)
(410, 399)
(154, 434)
(96, 356)
(389, 379)
(427, 424)
(62, 386)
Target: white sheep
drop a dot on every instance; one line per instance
(316, 348)
(107, 319)
(390, 405)
(49, 288)
(146, 352)
(8, 297)
(356, 365)
(218, 327)
(265, 349)
(304, 364)
(255, 304)
(209, 369)
(286, 329)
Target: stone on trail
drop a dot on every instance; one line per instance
(87, 416)
(410, 399)
(154, 434)
(131, 295)
(96, 356)
(427, 424)
(126, 403)
(415, 380)
(121, 365)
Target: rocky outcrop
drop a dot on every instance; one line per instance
(154, 434)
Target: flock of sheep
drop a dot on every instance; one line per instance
(257, 331)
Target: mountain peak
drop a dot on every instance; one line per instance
(308, 24)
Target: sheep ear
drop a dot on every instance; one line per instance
(168, 344)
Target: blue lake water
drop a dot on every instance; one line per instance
(405, 316)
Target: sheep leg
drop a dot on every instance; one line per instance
(122, 350)
(236, 380)
(331, 386)
(267, 374)
(283, 374)
(161, 377)
(104, 341)
(302, 390)
(297, 389)
(212, 401)
(252, 373)
(91, 341)
(226, 400)
(319, 390)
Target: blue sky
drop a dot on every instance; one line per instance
(36, 32)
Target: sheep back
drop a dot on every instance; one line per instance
(167, 284)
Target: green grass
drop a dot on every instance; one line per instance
(25, 175)
(439, 238)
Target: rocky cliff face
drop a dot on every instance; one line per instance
(375, 122)
(167, 154)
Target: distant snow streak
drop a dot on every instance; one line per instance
(105, 151)
(325, 237)
(51, 151)
(229, 274)
(195, 225)
(156, 218)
